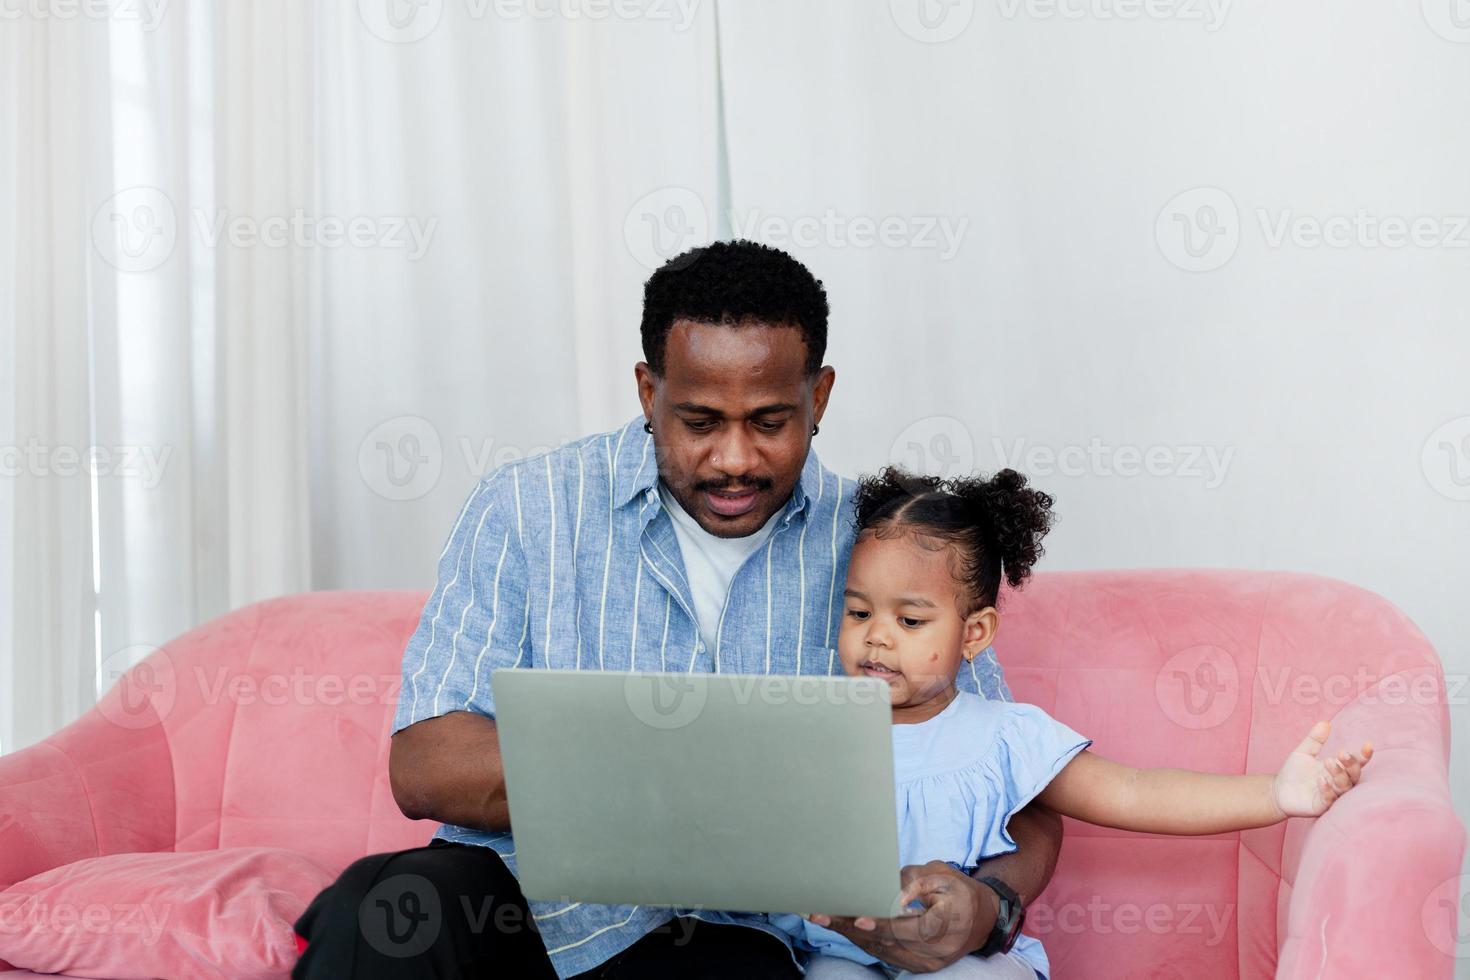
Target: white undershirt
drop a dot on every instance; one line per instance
(710, 562)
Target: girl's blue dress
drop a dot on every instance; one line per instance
(960, 776)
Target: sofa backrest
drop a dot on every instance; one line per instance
(280, 721)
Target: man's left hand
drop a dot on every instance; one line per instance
(958, 914)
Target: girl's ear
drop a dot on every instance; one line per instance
(979, 631)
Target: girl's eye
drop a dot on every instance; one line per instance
(858, 613)
(910, 621)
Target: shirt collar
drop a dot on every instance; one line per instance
(637, 470)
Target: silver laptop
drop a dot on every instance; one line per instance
(741, 793)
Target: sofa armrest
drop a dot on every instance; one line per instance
(1370, 872)
(95, 787)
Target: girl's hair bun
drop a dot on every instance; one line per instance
(997, 523)
(1018, 516)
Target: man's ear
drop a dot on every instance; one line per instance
(647, 385)
(821, 391)
(979, 631)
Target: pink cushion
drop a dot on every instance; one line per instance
(225, 913)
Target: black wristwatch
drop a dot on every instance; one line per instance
(1008, 919)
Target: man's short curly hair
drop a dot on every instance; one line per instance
(734, 283)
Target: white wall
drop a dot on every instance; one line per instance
(1333, 380)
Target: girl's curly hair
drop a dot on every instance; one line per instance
(994, 524)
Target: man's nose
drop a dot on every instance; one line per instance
(734, 454)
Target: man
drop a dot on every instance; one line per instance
(702, 536)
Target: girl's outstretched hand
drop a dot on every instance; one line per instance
(1307, 785)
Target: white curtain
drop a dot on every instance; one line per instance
(49, 95)
(153, 415)
(519, 145)
(303, 271)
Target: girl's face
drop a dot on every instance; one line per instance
(901, 622)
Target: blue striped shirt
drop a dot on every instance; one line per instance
(569, 560)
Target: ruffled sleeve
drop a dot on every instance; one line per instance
(971, 773)
(1031, 748)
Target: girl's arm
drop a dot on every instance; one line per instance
(1179, 801)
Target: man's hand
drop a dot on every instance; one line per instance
(958, 914)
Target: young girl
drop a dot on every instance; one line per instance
(922, 586)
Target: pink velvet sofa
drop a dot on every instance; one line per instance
(1221, 671)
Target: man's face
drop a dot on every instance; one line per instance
(732, 420)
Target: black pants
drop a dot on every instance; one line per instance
(455, 910)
